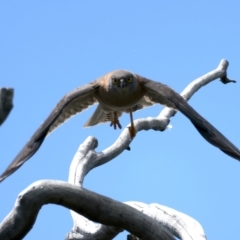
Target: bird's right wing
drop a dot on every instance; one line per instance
(160, 93)
(71, 104)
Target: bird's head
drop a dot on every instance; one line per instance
(119, 89)
(122, 80)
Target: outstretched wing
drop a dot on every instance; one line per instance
(71, 104)
(160, 93)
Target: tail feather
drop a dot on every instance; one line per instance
(101, 116)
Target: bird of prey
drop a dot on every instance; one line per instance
(117, 92)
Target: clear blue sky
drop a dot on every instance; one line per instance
(48, 48)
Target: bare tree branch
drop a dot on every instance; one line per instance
(177, 223)
(145, 222)
(6, 103)
(94, 206)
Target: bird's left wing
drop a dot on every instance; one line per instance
(71, 104)
(159, 93)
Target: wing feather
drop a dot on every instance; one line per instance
(144, 102)
(160, 93)
(73, 108)
(72, 103)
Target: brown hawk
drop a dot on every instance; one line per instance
(117, 92)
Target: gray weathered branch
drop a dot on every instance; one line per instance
(144, 221)
(177, 223)
(6, 103)
(94, 206)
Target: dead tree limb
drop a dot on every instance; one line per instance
(177, 223)
(6, 103)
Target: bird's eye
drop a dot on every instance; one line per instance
(129, 79)
(114, 80)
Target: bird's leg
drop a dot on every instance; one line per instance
(132, 129)
(115, 122)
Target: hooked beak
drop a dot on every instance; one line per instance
(122, 83)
